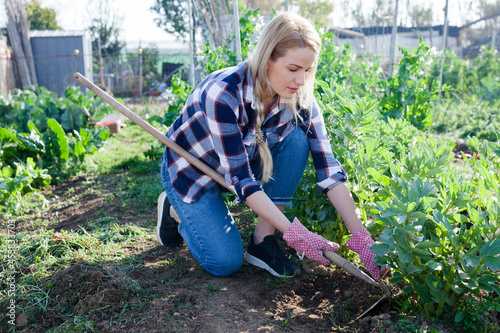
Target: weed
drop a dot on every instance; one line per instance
(276, 282)
(211, 286)
(344, 307)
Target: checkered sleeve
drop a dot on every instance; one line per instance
(222, 110)
(328, 169)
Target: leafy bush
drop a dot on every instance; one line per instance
(361, 73)
(37, 104)
(467, 117)
(470, 77)
(438, 231)
(37, 149)
(407, 94)
(222, 56)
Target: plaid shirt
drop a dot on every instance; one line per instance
(217, 125)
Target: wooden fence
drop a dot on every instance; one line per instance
(7, 74)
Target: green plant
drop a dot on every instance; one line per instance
(352, 124)
(43, 140)
(222, 56)
(407, 95)
(470, 314)
(339, 63)
(37, 104)
(211, 286)
(439, 255)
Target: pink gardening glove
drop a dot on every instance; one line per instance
(360, 243)
(308, 243)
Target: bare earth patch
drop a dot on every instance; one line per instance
(166, 290)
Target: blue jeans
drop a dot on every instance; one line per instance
(207, 226)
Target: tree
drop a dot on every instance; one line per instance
(150, 59)
(265, 6)
(172, 16)
(419, 15)
(317, 11)
(104, 28)
(105, 33)
(208, 15)
(41, 18)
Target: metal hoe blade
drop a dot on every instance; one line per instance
(350, 268)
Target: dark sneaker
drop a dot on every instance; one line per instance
(166, 228)
(268, 255)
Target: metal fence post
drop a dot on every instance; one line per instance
(393, 38)
(237, 30)
(445, 36)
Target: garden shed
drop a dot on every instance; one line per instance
(60, 53)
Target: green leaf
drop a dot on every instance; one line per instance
(487, 279)
(434, 266)
(491, 248)
(417, 215)
(408, 289)
(472, 261)
(59, 143)
(439, 296)
(427, 298)
(404, 257)
(428, 245)
(413, 269)
(381, 261)
(422, 253)
(386, 236)
(7, 172)
(458, 290)
(472, 285)
(434, 172)
(402, 242)
(380, 249)
(322, 213)
(433, 282)
(397, 277)
(459, 316)
(493, 263)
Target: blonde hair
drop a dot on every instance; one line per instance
(286, 31)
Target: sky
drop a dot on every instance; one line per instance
(138, 20)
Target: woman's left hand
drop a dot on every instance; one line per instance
(360, 243)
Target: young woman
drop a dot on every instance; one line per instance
(256, 123)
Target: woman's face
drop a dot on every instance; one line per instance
(289, 72)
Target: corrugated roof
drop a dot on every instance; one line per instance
(453, 31)
(57, 33)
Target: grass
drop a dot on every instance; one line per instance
(102, 244)
(458, 118)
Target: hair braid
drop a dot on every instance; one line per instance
(264, 152)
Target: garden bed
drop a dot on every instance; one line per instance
(156, 289)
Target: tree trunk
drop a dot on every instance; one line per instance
(17, 26)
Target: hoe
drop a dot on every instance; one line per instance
(332, 256)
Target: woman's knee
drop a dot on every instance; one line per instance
(224, 265)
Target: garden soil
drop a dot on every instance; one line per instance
(166, 290)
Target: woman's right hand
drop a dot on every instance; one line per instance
(306, 242)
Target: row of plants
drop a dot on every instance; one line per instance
(438, 228)
(43, 140)
(437, 220)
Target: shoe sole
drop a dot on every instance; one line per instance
(261, 264)
(161, 200)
